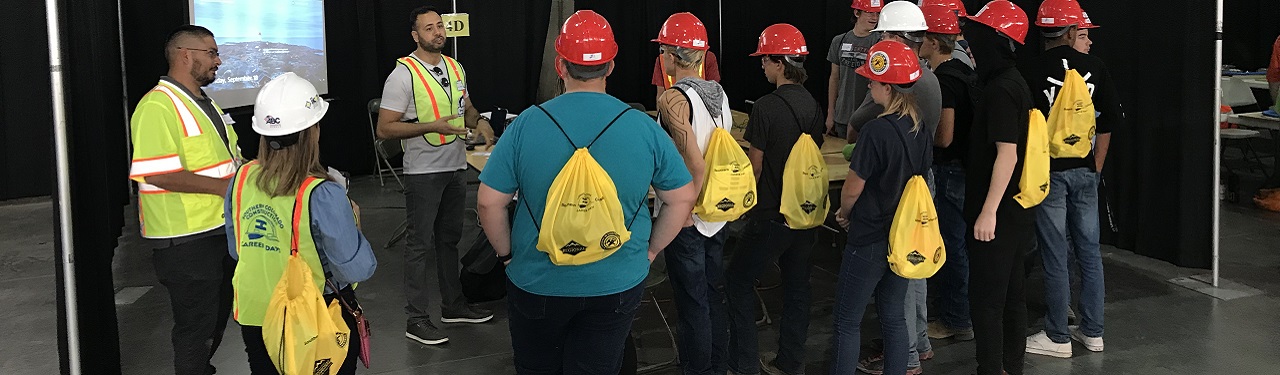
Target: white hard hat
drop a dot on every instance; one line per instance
(901, 16)
(287, 104)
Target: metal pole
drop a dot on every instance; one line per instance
(1217, 142)
(455, 39)
(52, 21)
(124, 97)
(720, 12)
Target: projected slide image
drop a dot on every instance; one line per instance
(259, 40)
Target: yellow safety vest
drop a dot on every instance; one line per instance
(266, 229)
(190, 143)
(671, 80)
(433, 101)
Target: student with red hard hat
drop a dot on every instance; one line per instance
(574, 319)
(690, 111)
(778, 120)
(845, 89)
(1003, 231)
(680, 25)
(891, 150)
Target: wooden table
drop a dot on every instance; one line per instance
(477, 159)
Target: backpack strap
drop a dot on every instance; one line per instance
(593, 141)
(793, 112)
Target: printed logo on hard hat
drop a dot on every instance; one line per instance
(804, 49)
(313, 101)
(610, 241)
(699, 43)
(272, 120)
(879, 62)
(875, 3)
(1086, 17)
(1046, 20)
(592, 56)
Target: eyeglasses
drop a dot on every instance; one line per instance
(444, 81)
(211, 52)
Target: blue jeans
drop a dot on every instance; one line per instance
(762, 242)
(917, 320)
(953, 279)
(863, 270)
(570, 335)
(694, 263)
(1068, 220)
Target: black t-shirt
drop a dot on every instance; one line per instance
(1044, 75)
(774, 129)
(955, 79)
(1002, 115)
(888, 154)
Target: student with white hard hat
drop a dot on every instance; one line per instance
(285, 200)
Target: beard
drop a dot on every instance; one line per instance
(431, 46)
(204, 76)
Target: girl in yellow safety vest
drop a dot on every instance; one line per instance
(285, 205)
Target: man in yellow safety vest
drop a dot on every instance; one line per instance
(426, 105)
(184, 154)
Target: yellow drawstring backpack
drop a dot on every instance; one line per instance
(916, 250)
(1033, 186)
(729, 189)
(583, 221)
(302, 335)
(805, 197)
(1072, 120)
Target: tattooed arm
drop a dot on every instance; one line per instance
(675, 111)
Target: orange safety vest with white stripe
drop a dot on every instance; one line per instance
(170, 134)
(434, 101)
(670, 80)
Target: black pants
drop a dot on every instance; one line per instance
(435, 205)
(570, 335)
(997, 292)
(260, 362)
(197, 274)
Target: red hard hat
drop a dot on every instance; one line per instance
(868, 5)
(1006, 18)
(941, 19)
(586, 39)
(781, 39)
(954, 5)
(1059, 13)
(684, 30)
(1086, 23)
(891, 62)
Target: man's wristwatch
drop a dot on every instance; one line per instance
(504, 258)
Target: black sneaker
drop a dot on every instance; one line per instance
(425, 333)
(468, 315)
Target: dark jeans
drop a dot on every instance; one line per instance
(863, 270)
(763, 242)
(570, 335)
(953, 279)
(695, 265)
(435, 205)
(197, 274)
(997, 291)
(260, 362)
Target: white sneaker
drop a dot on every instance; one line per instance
(1041, 344)
(1094, 344)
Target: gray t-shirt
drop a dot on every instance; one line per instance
(421, 157)
(849, 52)
(928, 99)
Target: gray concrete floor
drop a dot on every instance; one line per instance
(1153, 326)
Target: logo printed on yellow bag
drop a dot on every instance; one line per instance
(1033, 185)
(729, 186)
(583, 221)
(1072, 119)
(915, 232)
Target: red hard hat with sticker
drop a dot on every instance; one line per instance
(586, 39)
(684, 30)
(891, 62)
(1006, 18)
(781, 39)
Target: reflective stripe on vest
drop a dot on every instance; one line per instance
(267, 231)
(428, 93)
(166, 214)
(670, 80)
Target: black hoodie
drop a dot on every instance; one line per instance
(1001, 117)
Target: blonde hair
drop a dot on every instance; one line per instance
(904, 105)
(284, 170)
(694, 56)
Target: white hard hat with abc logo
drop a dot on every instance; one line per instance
(286, 105)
